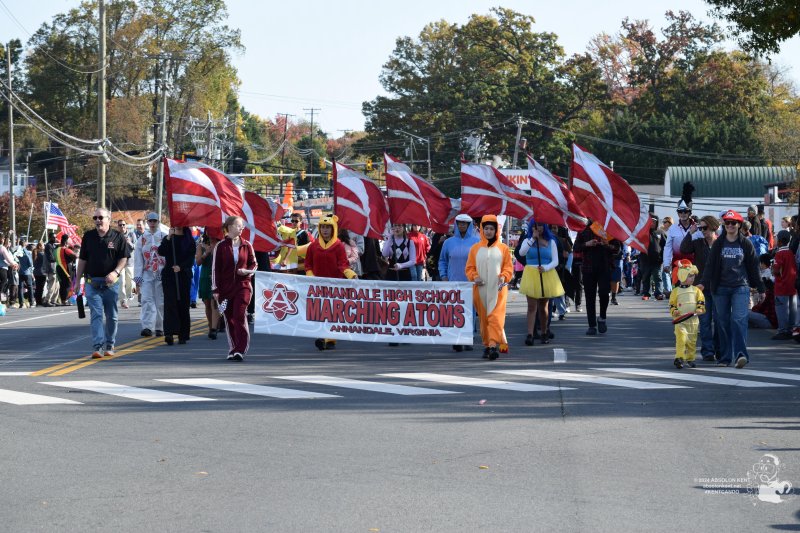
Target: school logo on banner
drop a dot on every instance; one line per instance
(279, 301)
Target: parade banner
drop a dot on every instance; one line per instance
(363, 310)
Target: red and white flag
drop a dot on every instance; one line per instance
(200, 195)
(260, 215)
(553, 202)
(358, 202)
(484, 190)
(412, 200)
(606, 198)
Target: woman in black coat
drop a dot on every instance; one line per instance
(178, 250)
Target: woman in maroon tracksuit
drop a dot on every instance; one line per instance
(234, 261)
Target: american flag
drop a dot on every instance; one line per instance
(55, 215)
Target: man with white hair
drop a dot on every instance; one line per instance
(147, 275)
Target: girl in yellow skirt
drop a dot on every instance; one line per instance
(540, 280)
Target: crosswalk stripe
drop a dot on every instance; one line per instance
(473, 382)
(8, 374)
(568, 376)
(689, 376)
(247, 388)
(26, 398)
(756, 373)
(373, 386)
(134, 393)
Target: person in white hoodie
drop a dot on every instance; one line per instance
(147, 275)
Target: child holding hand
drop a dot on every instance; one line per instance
(686, 302)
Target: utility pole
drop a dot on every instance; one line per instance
(411, 138)
(101, 109)
(283, 152)
(162, 136)
(11, 198)
(520, 122)
(311, 163)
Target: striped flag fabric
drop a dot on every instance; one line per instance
(200, 195)
(553, 202)
(609, 200)
(412, 200)
(259, 222)
(55, 215)
(358, 202)
(485, 190)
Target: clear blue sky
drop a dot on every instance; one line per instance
(328, 55)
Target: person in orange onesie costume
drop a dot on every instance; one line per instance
(489, 268)
(326, 258)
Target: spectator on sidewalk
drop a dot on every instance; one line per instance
(784, 269)
(731, 270)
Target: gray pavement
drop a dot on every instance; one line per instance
(567, 455)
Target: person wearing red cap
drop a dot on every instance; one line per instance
(731, 270)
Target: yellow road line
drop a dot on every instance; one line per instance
(135, 346)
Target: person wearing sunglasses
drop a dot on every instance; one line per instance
(675, 235)
(731, 269)
(698, 241)
(103, 255)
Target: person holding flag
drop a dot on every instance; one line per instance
(148, 266)
(540, 281)
(598, 252)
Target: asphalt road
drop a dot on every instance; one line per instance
(448, 454)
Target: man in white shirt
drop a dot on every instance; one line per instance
(676, 233)
(147, 267)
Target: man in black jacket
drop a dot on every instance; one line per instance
(650, 263)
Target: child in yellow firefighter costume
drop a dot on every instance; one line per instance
(326, 258)
(686, 302)
(489, 268)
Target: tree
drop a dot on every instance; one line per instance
(453, 81)
(183, 42)
(677, 93)
(760, 25)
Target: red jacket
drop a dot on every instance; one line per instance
(421, 244)
(785, 271)
(327, 262)
(224, 280)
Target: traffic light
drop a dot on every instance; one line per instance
(330, 175)
(369, 165)
(302, 174)
(322, 163)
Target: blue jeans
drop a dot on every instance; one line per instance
(666, 281)
(102, 301)
(786, 311)
(709, 335)
(416, 272)
(731, 313)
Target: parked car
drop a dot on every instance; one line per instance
(319, 193)
(301, 194)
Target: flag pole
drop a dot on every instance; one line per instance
(335, 177)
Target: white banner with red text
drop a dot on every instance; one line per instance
(364, 310)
